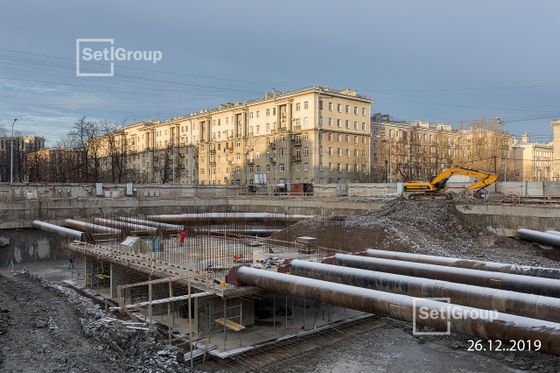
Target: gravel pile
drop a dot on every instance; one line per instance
(49, 328)
(424, 227)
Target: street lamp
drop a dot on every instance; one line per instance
(12, 153)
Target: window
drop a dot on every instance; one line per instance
(330, 106)
(364, 111)
(257, 114)
(347, 138)
(321, 166)
(339, 152)
(355, 139)
(297, 106)
(338, 123)
(330, 136)
(347, 124)
(282, 152)
(338, 167)
(320, 104)
(355, 125)
(330, 167)
(347, 109)
(267, 112)
(306, 136)
(330, 151)
(305, 151)
(339, 108)
(282, 167)
(320, 121)
(273, 111)
(330, 122)
(305, 167)
(355, 110)
(306, 104)
(363, 126)
(348, 152)
(339, 137)
(298, 168)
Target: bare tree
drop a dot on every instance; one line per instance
(83, 138)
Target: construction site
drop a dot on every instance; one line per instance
(216, 280)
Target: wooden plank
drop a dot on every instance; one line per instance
(163, 300)
(230, 324)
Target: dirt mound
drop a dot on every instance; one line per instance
(424, 227)
(47, 328)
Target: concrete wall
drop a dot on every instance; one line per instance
(506, 219)
(30, 245)
(169, 191)
(21, 213)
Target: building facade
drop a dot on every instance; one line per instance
(22, 145)
(420, 150)
(532, 161)
(313, 135)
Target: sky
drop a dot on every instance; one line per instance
(434, 60)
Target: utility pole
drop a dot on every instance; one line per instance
(390, 159)
(12, 153)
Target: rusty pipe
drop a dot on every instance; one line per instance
(466, 263)
(90, 227)
(403, 307)
(125, 225)
(228, 217)
(525, 284)
(529, 305)
(63, 231)
(149, 223)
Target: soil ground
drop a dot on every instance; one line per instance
(45, 328)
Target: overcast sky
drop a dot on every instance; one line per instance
(441, 61)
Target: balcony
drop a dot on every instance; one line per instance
(296, 141)
(296, 158)
(272, 145)
(250, 162)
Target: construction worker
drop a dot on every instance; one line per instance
(71, 264)
(182, 236)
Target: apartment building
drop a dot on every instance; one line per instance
(532, 161)
(411, 150)
(21, 146)
(312, 135)
(556, 154)
(419, 150)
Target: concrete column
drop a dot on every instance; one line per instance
(117, 278)
(87, 272)
(289, 116)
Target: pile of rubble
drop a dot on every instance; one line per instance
(424, 227)
(60, 330)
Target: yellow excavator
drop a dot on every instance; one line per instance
(437, 185)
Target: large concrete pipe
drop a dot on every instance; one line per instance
(229, 217)
(125, 225)
(541, 237)
(89, 227)
(465, 320)
(63, 231)
(149, 223)
(466, 263)
(529, 305)
(507, 281)
(553, 232)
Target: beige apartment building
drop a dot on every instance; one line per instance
(556, 146)
(312, 135)
(419, 150)
(532, 161)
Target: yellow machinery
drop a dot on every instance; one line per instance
(438, 183)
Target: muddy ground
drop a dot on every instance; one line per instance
(47, 328)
